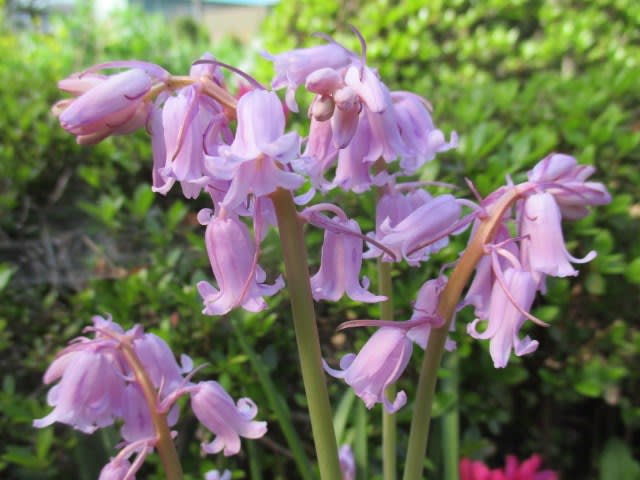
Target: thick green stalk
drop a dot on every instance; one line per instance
(389, 426)
(450, 297)
(304, 321)
(164, 443)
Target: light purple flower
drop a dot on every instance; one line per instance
(254, 161)
(347, 463)
(216, 475)
(215, 409)
(293, 67)
(117, 469)
(232, 254)
(479, 292)
(422, 232)
(115, 105)
(421, 138)
(160, 363)
(506, 317)
(340, 266)
(561, 176)
(90, 393)
(378, 365)
(543, 244)
(425, 313)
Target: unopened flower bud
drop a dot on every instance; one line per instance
(322, 108)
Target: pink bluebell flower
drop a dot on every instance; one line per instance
(115, 105)
(347, 463)
(565, 179)
(341, 261)
(233, 257)
(256, 161)
(543, 243)
(509, 302)
(293, 67)
(229, 421)
(379, 364)
(421, 232)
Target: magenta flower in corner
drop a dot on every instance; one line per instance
(513, 470)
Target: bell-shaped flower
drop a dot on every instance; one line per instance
(509, 300)
(255, 162)
(425, 313)
(379, 364)
(479, 292)
(160, 363)
(422, 140)
(293, 67)
(90, 393)
(232, 254)
(115, 105)
(229, 421)
(543, 243)
(565, 179)
(191, 129)
(422, 232)
(341, 261)
(352, 172)
(117, 469)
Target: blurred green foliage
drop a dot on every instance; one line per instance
(82, 234)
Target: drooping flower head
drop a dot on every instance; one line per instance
(229, 421)
(233, 257)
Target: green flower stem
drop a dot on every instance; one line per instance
(164, 443)
(389, 427)
(304, 321)
(450, 297)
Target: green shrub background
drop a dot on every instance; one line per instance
(82, 234)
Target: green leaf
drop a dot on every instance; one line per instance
(633, 271)
(617, 463)
(6, 272)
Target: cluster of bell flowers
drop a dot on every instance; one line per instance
(99, 386)
(359, 128)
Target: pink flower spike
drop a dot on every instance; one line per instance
(340, 266)
(543, 245)
(232, 254)
(378, 365)
(216, 410)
